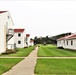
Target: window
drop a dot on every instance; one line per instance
(19, 34)
(71, 42)
(19, 42)
(26, 42)
(67, 42)
(8, 17)
(64, 41)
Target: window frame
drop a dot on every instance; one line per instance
(67, 42)
(19, 42)
(71, 42)
(19, 34)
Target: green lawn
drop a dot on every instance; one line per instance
(51, 50)
(22, 52)
(8, 63)
(49, 66)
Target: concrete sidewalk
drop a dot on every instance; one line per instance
(26, 66)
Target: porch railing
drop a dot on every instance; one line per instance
(9, 34)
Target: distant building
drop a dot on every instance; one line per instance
(19, 38)
(6, 32)
(27, 40)
(31, 42)
(68, 42)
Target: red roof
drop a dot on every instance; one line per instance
(2, 11)
(19, 30)
(27, 35)
(62, 38)
(72, 36)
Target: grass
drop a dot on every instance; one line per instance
(8, 63)
(55, 66)
(51, 50)
(22, 52)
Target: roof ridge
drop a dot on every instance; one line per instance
(67, 37)
(3, 11)
(19, 30)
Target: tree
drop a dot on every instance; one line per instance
(49, 40)
(35, 40)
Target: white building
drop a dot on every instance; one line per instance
(19, 38)
(61, 41)
(31, 42)
(68, 42)
(27, 40)
(6, 31)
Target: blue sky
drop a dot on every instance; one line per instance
(41, 18)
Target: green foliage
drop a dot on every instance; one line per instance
(55, 66)
(51, 50)
(8, 63)
(49, 40)
(44, 39)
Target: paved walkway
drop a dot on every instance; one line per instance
(26, 66)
